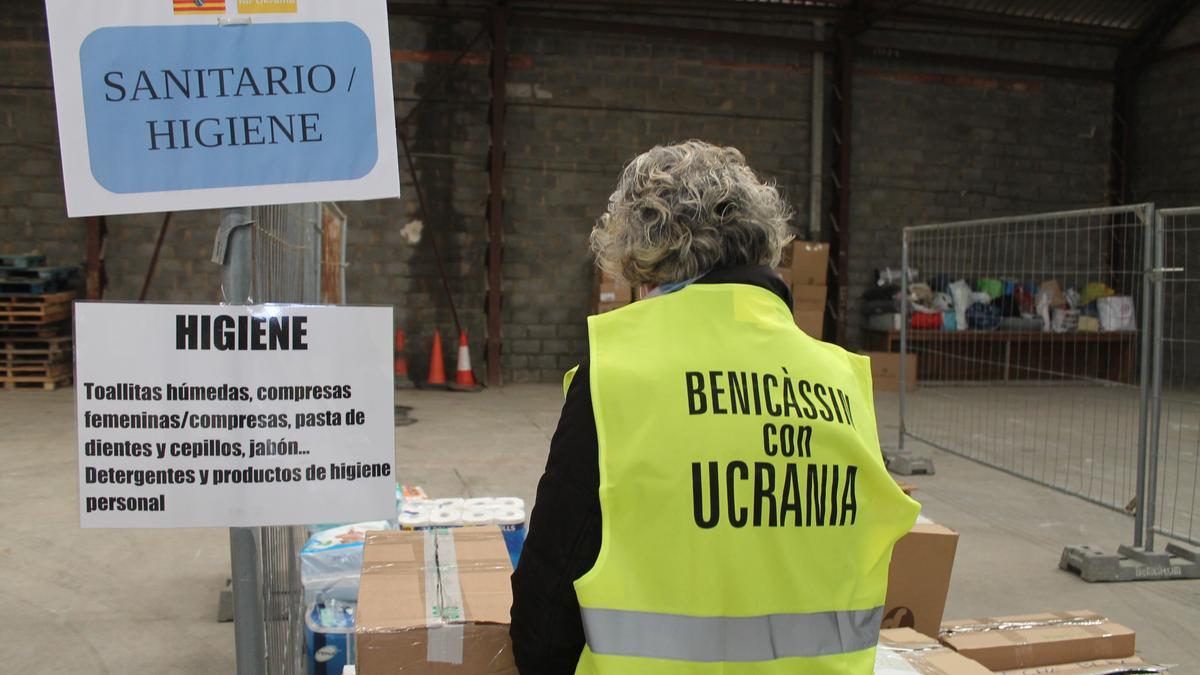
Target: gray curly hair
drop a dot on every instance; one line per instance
(681, 211)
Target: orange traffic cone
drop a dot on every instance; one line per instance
(437, 369)
(464, 377)
(403, 381)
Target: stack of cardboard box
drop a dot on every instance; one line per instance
(804, 267)
(610, 293)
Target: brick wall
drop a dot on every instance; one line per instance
(1166, 163)
(931, 143)
(1166, 158)
(940, 144)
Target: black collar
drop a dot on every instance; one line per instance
(754, 275)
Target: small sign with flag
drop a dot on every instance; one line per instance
(199, 6)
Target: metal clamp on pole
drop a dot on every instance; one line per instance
(231, 250)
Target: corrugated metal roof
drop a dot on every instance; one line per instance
(1125, 15)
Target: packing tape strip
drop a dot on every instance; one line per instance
(444, 615)
(990, 624)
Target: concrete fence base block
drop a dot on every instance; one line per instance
(1129, 563)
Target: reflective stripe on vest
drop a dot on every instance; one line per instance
(730, 638)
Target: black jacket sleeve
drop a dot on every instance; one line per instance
(562, 543)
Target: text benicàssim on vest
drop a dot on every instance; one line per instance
(784, 490)
(721, 392)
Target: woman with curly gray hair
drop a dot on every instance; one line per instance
(714, 500)
(681, 211)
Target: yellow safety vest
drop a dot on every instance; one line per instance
(748, 519)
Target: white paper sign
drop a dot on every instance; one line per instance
(202, 415)
(188, 104)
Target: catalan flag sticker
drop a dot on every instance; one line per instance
(199, 6)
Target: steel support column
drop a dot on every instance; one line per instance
(495, 214)
(843, 122)
(94, 276)
(1121, 140)
(162, 235)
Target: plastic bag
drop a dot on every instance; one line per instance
(993, 287)
(961, 292)
(1117, 313)
(983, 316)
(1094, 291)
(331, 562)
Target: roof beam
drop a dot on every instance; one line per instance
(623, 28)
(1003, 21)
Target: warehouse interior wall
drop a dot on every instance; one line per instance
(580, 105)
(1166, 171)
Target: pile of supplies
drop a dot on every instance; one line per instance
(332, 562)
(942, 302)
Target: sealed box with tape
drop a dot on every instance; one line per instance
(435, 601)
(1024, 641)
(1127, 666)
(903, 651)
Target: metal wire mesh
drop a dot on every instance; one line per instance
(1020, 366)
(286, 265)
(275, 254)
(1174, 504)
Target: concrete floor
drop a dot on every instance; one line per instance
(118, 601)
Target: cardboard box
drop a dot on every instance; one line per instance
(435, 601)
(885, 370)
(786, 274)
(919, 578)
(610, 293)
(904, 650)
(809, 263)
(808, 308)
(1025, 641)
(811, 321)
(1099, 667)
(809, 297)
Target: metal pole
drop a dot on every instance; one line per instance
(817, 136)
(841, 242)
(248, 625)
(232, 251)
(903, 339)
(495, 219)
(437, 254)
(1157, 279)
(97, 228)
(162, 235)
(1143, 412)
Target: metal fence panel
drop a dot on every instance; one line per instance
(1053, 396)
(273, 254)
(1174, 470)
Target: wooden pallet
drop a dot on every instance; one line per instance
(33, 348)
(22, 260)
(52, 329)
(43, 369)
(10, 284)
(39, 272)
(58, 328)
(36, 308)
(39, 383)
